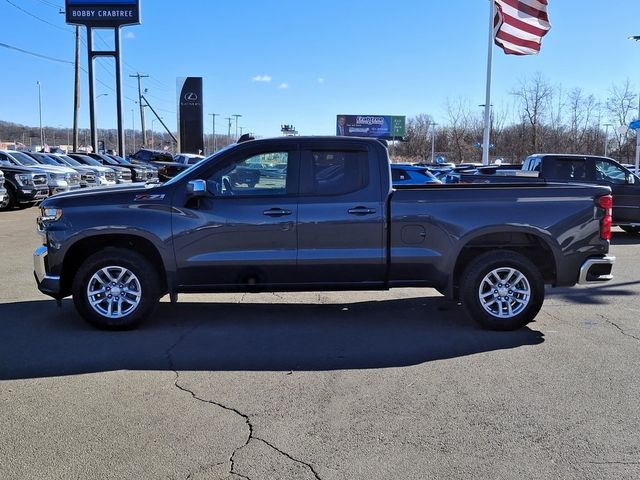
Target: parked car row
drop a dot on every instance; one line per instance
(29, 177)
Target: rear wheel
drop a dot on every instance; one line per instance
(502, 290)
(116, 289)
(631, 229)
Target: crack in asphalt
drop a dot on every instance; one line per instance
(246, 418)
(308, 465)
(202, 469)
(620, 329)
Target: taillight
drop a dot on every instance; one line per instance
(606, 203)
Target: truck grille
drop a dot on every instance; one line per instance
(110, 176)
(89, 179)
(39, 179)
(124, 175)
(1, 179)
(74, 179)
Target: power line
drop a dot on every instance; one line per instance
(39, 55)
(38, 18)
(53, 5)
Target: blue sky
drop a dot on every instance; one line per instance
(302, 63)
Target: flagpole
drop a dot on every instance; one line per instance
(487, 100)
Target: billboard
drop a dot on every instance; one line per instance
(102, 13)
(190, 115)
(389, 127)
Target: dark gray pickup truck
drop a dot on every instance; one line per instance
(332, 221)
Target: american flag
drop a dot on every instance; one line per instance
(519, 25)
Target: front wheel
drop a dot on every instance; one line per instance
(9, 200)
(116, 289)
(502, 290)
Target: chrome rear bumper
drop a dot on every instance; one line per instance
(596, 270)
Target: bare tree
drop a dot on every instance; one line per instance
(460, 130)
(534, 97)
(620, 106)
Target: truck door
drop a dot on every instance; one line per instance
(626, 196)
(341, 214)
(246, 232)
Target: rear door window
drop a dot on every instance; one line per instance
(335, 172)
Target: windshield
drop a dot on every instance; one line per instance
(89, 161)
(121, 161)
(23, 159)
(48, 160)
(182, 174)
(69, 161)
(108, 160)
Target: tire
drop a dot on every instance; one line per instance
(99, 276)
(488, 295)
(630, 229)
(9, 199)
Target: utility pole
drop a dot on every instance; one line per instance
(142, 124)
(228, 119)
(236, 116)
(76, 92)
(213, 119)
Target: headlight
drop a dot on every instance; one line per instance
(24, 179)
(50, 214)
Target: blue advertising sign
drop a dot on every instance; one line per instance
(635, 125)
(102, 13)
(389, 127)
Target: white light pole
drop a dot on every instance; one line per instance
(133, 131)
(40, 112)
(213, 120)
(606, 138)
(433, 142)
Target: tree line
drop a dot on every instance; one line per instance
(542, 118)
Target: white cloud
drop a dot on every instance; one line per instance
(261, 78)
(320, 80)
(283, 86)
(130, 35)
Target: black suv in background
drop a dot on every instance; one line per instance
(163, 161)
(26, 186)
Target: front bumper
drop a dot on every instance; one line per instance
(47, 284)
(596, 270)
(32, 194)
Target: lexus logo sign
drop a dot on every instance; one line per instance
(191, 97)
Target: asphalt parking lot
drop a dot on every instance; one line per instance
(366, 385)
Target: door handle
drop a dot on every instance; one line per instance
(361, 211)
(276, 212)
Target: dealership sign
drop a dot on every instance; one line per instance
(389, 127)
(103, 13)
(190, 115)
